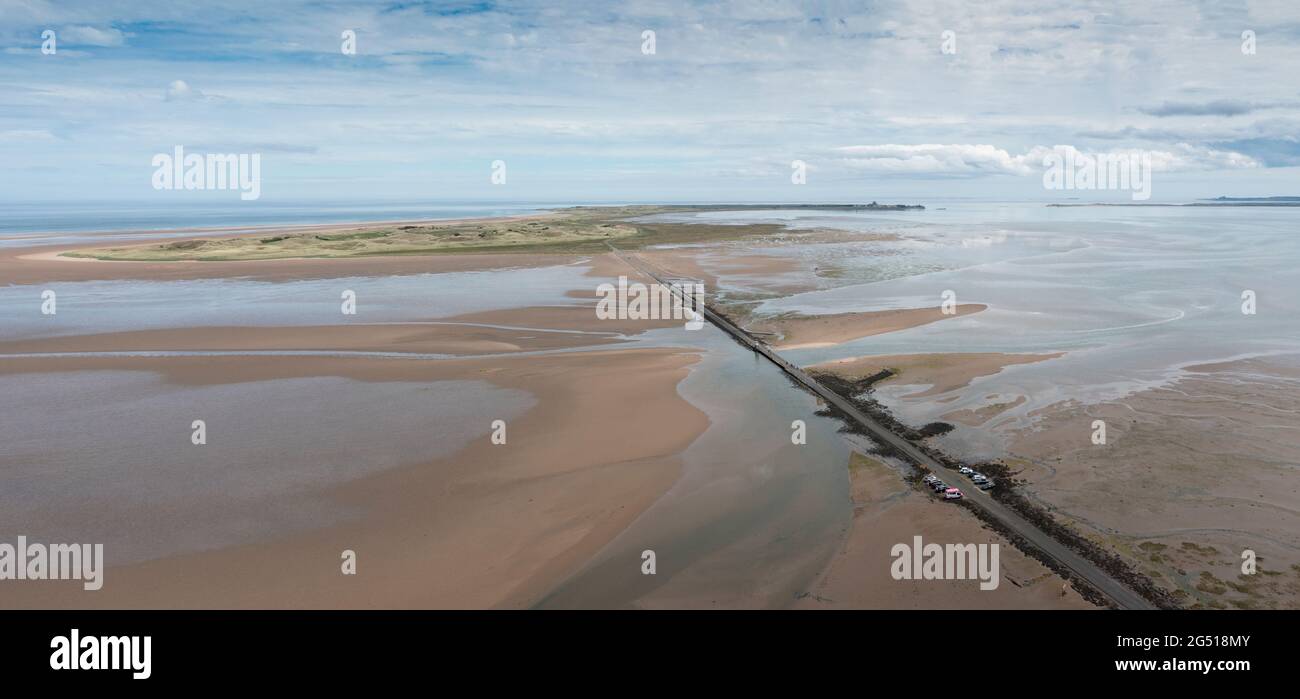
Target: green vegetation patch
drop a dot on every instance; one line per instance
(574, 230)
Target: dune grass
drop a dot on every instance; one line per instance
(572, 230)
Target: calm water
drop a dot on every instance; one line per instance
(753, 518)
(106, 306)
(1132, 294)
(750, 506)
(105, 456)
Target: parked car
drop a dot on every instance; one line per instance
(966, 470)
(930, 478)
(985, 484)
(952, 494)
(978, 477)
(939, 486)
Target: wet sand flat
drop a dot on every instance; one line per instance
(941, 373)
(493, 524)
(718, 266)
(799, 331)
(1191, 476)
(488, 525)
(1196, 470)
(886, 511)
(510, 330)
(44, 266)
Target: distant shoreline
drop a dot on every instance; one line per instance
(1225, 202)
(572, 229)
(257, 228)
(873, 206)
(216, 228)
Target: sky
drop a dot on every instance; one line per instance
(876, 99)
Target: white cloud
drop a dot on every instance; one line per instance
(179, 91)
(92, 36)
(984, 159)
(936, 158)
(740, 88)
(26, 136)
